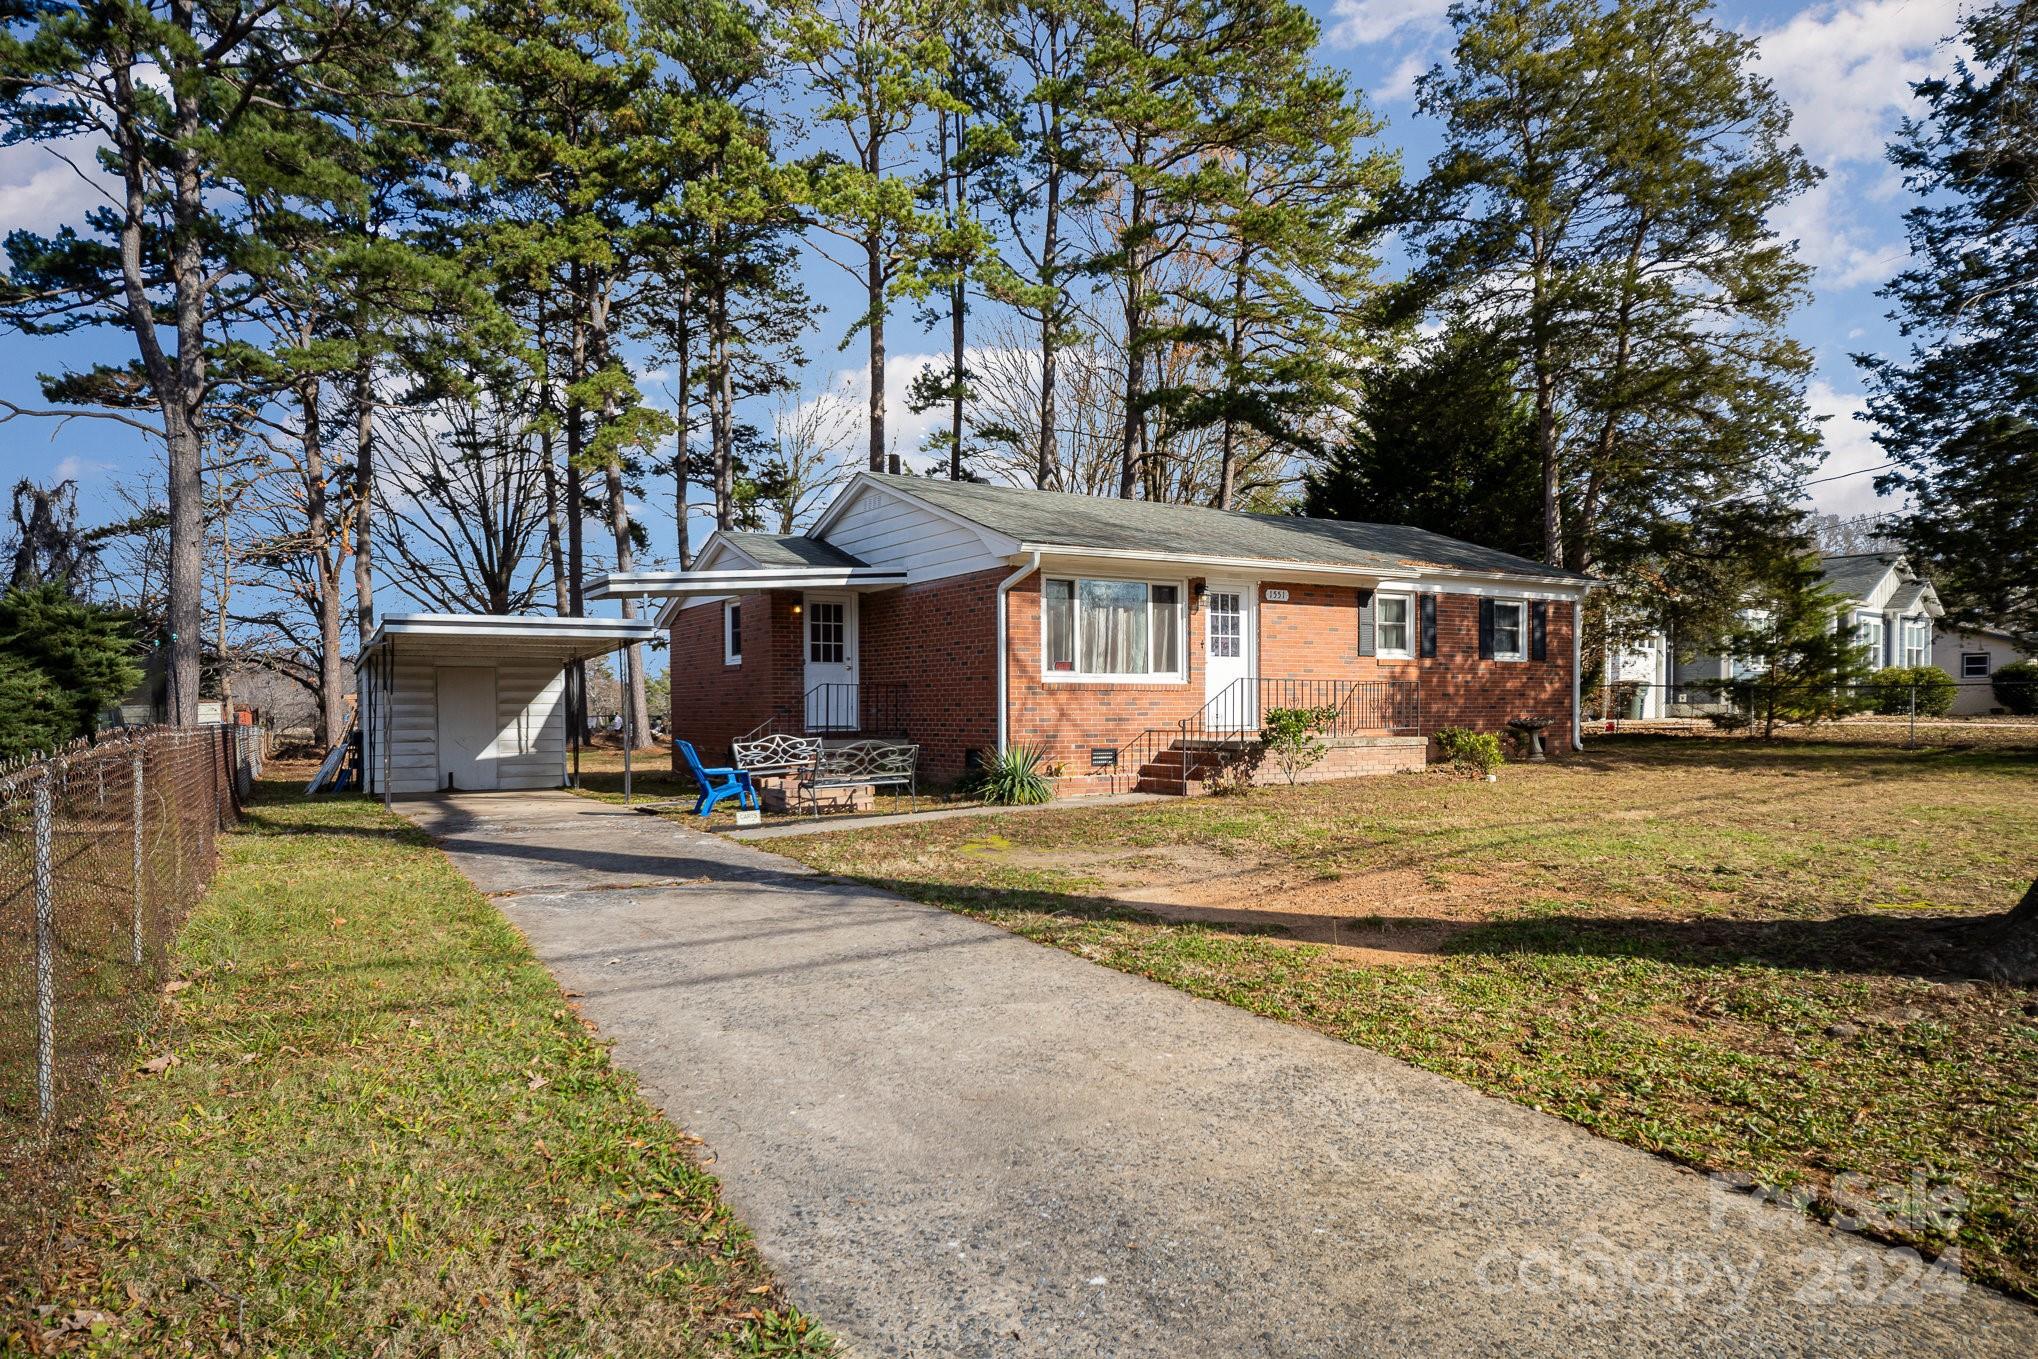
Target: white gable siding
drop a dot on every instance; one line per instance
(887, 531)
(1885, 589)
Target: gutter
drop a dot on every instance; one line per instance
(1004, 642)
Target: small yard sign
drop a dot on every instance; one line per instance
(749, 816)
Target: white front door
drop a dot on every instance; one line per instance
(831, 661)
(1228, 656)
(467, 726)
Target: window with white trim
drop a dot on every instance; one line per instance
(1974, 665)
(1510, 630)
(1917, 641)
(1111, 629)
(1394, 626)
(1868, 635)
(732, 633)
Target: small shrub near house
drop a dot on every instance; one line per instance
(1476, 752)
(1290, 738)
(1012, 778)
(2016, 687)
(1890, 690)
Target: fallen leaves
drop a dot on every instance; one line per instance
(156, 1066)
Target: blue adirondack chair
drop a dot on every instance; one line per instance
(717, 784)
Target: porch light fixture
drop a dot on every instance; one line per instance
(796, 609)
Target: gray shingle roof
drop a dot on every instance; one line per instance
(1856, 575)
(1062, 519)
(789, 549)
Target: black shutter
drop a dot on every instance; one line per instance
(1485, 629)
(1539, 631)
(1368, 646)
(1426, 607)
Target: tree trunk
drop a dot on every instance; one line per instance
(721, 415)
(681, 464)
(875, 290)
(186, 433)
(548, 453)
(576, 436)
(325, 569)
(1227, 463)
(1135, 367)
(364, 499)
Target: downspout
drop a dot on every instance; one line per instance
(1004, 642)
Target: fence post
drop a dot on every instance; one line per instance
(45, 960)
(137, 759)
(1911, 741)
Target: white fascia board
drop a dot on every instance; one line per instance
(995, 543)
(1262, 568)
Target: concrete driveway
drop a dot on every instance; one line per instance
(950, 1141)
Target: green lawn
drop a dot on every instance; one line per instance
(1734, 955)
(386, 1132)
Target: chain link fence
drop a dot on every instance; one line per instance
(103, 849)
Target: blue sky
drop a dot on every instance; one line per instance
(1843, 68)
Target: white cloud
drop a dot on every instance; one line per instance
(74, 468)
(1846, 70)
(1845, 253)
(40, 192)
(1353, 22)
(1846, 485)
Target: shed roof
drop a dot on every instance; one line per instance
(495, 635)
(1059, 519)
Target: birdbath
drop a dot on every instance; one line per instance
(1530, 729)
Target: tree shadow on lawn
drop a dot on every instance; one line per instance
(1923, 946)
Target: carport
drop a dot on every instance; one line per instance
(477, 702)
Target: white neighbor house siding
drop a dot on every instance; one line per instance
(1974, 695)
(530, 716)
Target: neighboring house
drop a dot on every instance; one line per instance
(969, 618)
(1891, 609)
(1971, 656)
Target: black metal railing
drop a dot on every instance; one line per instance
(1228, 726)
(848, 709)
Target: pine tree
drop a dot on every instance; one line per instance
(1443, 441)
(198, 108)
(1959, 411)
(877, 70)
(1603, 201)
(1797, 660)
(83, 654)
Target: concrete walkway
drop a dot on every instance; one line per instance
(952, 1142)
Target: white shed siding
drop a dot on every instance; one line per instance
(530, 743)
(884, 530)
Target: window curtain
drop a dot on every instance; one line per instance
(1114, 625)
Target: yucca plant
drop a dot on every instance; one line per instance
(1012, 778)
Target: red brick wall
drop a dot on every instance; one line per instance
(939, 639)
(1068, 717)
(1460, 690)
(714, 703)
(1313, 634)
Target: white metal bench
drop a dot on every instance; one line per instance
(874, 764)
(777, 754)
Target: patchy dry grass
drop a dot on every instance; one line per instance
(379, 1128)
(1730, 954)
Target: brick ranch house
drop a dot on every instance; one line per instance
(1124, 638)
